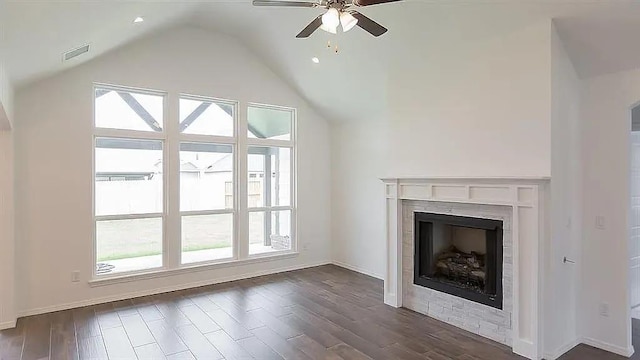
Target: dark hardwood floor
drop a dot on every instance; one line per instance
(319, 313)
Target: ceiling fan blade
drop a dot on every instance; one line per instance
(285, 3)
(371, 2)
(368, 25)
(313, 26)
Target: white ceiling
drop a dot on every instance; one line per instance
(600, 37)
(603, 44)
(37, 33)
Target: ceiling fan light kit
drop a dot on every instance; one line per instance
(331, 20)
(348, 21)
(338, 13)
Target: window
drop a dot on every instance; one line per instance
(129, 181)
(206, 172)
(206, 117)
(128, 176)
(270, 194)
(126, 110)
(269, 123)
(166, 189)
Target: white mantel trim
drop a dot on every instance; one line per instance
(526, 198)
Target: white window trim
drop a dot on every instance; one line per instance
(187, 269)
(172, 215)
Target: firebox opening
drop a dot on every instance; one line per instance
(459, 255)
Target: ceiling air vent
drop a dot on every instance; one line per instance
(76, 52)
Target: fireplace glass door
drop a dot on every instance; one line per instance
(459, 255)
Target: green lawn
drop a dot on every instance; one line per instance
(123, 239)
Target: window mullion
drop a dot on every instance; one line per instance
(173, 233)
(267, 199)
(207, 139)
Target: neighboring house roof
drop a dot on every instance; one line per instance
(224, 164)
(188, 166)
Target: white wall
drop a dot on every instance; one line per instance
(53, 160)
(7, 294)
(634, 221)
(482, 110)
(606, 121)
(565, 205)
(358, 157)
(7, 241)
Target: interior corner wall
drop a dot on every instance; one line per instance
(482, 111)
(6, 99)
(565, 220)
(53, 147)
(7, 239)
(358, 157)
(606, 129)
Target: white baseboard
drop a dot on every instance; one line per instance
(626, 352)
(524, 348)
(7, 325)
(553, 355)
(132, 295)
(357, 269)
(392, 300)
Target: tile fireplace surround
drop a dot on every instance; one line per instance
(483, 320)
(519, 203)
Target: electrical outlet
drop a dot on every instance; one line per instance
(75, 276)
(305, 246)
(600, 222)
(603, 309)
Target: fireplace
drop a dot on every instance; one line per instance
(459, 255)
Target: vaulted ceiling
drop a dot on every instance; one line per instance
(351, 85)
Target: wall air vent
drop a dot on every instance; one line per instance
(75, 52)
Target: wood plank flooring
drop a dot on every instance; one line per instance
(324, 312)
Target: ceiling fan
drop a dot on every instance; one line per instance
(338, 12)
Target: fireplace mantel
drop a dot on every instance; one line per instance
(526, 198)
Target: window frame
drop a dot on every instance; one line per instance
(99, 132)
(216, 140)
(171, 137)
(268, 209)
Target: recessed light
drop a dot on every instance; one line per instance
(139, 19)
(316, 60)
